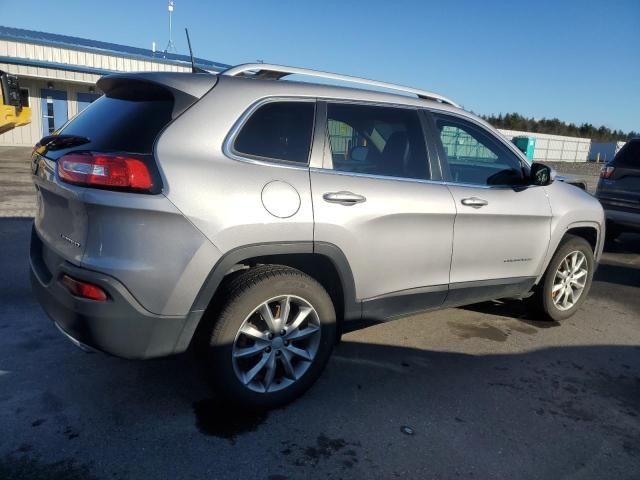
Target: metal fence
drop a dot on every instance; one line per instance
(555, 148)
(459, 144)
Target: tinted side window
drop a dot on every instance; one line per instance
(474, 156)
(278, 131)
(377, 141)
(629, 155)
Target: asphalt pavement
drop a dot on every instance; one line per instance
(17, 193)
(480, 392)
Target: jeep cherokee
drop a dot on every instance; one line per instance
(253, 218)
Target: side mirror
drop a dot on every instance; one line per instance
(541, 174)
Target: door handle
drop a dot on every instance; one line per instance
(474, 202)
(343, 198)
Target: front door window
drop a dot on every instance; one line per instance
(474, 157)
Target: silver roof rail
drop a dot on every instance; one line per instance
(276, 72)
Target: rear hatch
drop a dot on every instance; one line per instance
(117, 132)
(619, 186)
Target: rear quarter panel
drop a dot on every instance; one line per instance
(141, 240)
(61, 219)
(147, 244)
(221, 196)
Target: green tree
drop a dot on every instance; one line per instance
(555, 126)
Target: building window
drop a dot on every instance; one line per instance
(24, 97)
(50, 116)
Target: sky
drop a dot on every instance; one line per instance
(575, 60)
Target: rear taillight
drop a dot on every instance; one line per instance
(82, 289)
(606, 172)
(105, 171)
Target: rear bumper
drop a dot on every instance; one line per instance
(119, 326)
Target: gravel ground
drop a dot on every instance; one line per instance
(17, 195)
(587, 171)
(486, 391)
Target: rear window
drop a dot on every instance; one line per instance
(119, 125)
(278, 131)
(629, 155)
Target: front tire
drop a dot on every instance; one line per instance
(567, 281)
(272, 337)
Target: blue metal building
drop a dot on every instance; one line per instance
(58, 73)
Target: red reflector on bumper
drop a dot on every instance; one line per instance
(82, 289)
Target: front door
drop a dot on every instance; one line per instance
(54, 110)
(502, 227)
(374, 200)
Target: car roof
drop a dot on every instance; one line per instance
(197, 84)
(261, 88)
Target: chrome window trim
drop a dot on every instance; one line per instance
(369, 103)
(413, 180)
(230, 152)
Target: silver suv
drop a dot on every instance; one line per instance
(253, 218)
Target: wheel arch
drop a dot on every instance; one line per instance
(589, 231)
(324, 262)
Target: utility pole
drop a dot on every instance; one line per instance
(171, 47)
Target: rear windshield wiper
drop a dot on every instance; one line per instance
(58, 142)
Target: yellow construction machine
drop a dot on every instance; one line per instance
(12, 113)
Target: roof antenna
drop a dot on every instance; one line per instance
(194, 69)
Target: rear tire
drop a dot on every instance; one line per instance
(258, 353)
(567, 280)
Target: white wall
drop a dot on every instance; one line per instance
(36, 78)
(555, 148)
(28, 135)
(69, 56)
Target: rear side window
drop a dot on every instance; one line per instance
(629, 155)
(278, 131)
(120, 125)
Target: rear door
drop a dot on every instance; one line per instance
(375, 200)
(621, 190)
(502, 227)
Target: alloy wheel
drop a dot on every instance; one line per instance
(276, 343)
(570, 280)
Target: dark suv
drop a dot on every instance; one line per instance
(619, 190)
